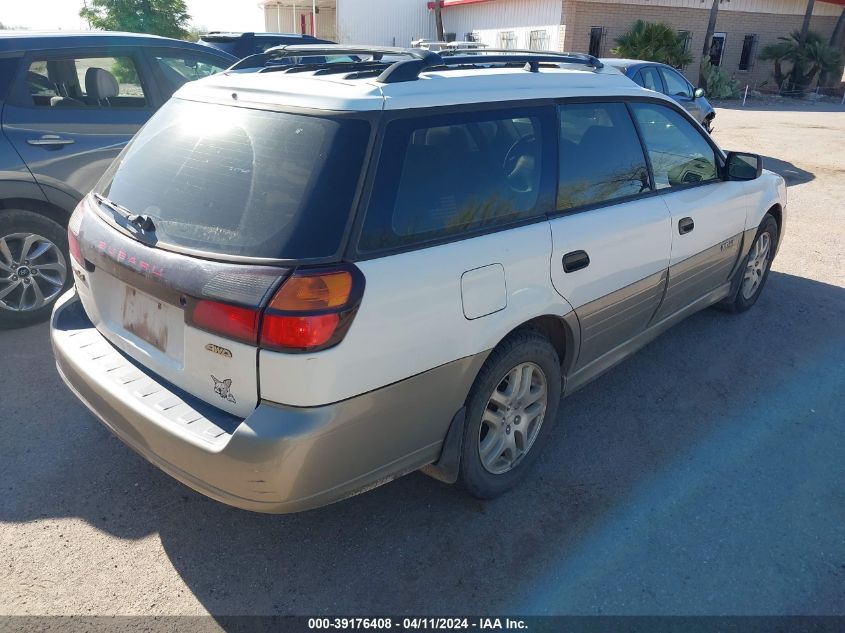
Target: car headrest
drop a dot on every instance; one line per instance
(100, 84)
(62, 72)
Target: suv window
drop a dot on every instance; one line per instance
(600, 155)
(648, 78)
(180, 68)
(238, 181)
(679, 154)
(104, 82)
(676, 85)
(445, 175)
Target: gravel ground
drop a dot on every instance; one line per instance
(702, 476)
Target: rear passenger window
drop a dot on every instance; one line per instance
(104, 82)
(679, 153)
(447, 175)
(648, 78)
(600, 155)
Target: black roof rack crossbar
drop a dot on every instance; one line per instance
(408, 70)
(280, 53)
(417, 60)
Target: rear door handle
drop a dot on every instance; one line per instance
(685, 225)
(50, 140)
(576, 260)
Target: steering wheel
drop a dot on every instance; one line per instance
(521, 176)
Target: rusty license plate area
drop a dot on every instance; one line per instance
(146, 317)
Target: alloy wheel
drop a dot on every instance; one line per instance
(755, 269)
(33, 271)
(512, 418)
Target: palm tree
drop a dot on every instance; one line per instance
(805, 25)
(653, 41)
(708, 38)
(826, 78)
(438, 20)
(809, 55)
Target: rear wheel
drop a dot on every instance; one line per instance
(510, 409)
(34, 268)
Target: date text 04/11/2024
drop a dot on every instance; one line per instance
(429, 623)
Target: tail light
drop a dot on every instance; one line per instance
(311, 311)
(231, 321)
(73, 227)
(74, 248)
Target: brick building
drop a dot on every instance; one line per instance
(743, 28)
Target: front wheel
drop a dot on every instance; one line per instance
(755, 269)
(510, 409)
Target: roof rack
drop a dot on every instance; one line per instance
(416, 60)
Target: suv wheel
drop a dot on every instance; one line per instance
(34, 269)
(755, 269)
(510, 409)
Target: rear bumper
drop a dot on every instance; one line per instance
(279, 459)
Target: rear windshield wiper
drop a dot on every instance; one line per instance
(143, 222)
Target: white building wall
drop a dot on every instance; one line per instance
(288, 19)
(384, 22)
(488, 20)
(777, 7)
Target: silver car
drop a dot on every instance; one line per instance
(665, 79)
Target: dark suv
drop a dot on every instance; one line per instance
(68, 105)
(244, 44)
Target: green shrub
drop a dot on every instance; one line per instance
(716, 82)
(654, 42)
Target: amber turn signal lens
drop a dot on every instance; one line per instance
(303, 293)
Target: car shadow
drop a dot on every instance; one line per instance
(791, 174)
(689, 479)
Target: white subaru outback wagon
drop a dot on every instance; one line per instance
(312, 274)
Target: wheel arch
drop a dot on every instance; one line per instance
(562, 331)
(776, 211)
(49, 210)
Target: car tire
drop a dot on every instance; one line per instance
(505, 416)
(34, 267)
(755, 268)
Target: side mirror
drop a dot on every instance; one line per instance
(699, 92)
(743, 166)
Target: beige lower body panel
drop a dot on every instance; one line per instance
(280, 458)
(615, 318)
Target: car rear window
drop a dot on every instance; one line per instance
(237, 181)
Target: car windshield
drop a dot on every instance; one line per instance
(236, 181)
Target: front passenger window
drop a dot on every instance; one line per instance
(676, 86)
(679, 153)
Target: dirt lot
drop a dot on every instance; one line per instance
(703, 475)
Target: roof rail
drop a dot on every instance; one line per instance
(417, 60)
(280, 53)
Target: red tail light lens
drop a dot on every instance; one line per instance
(73, 247)
(312, 310)
(227, 320)
(298, 332)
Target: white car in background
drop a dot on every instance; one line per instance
(294, 286)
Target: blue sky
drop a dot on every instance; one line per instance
(237, 15)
